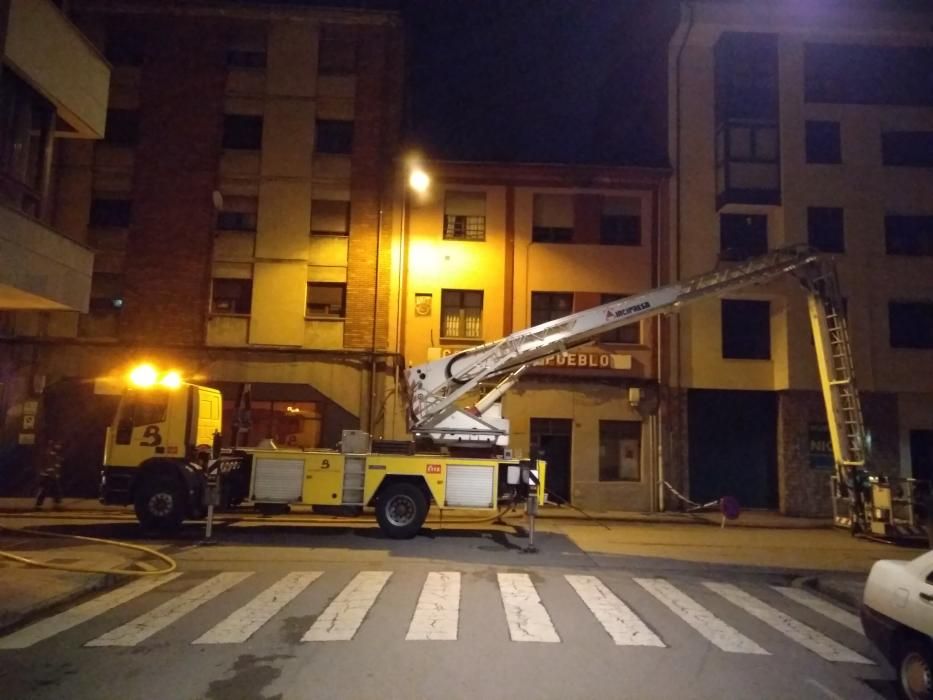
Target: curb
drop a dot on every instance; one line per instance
(11, 620)
(837, 595)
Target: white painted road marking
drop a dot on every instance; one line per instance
(833, 612)
(527, 618)
(241, 625)
(818, 643)
(699, 618)
(438, 611)
(346, 612)
(72, 617)
(144, 626)
(624, 626)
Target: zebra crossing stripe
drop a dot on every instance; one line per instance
(806, 636)
(527, 618)
(699, 618)
(241, 625)
(834, 613)
(345, 614)
(144, 626)
(624, 626)
(438, 611)
(49, 627)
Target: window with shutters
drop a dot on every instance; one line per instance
(238, 214)
(465, 216)
(552, 218)
(330, 217)
(328, 299)
(231, 296)
(620, 223)
(461, 313)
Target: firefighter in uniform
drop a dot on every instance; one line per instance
(50, 475)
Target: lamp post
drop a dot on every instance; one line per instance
(419, 182)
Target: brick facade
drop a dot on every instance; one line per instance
(375, 140)
(168, 258)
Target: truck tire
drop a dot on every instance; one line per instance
(914, 667)
(160, 504)
(401, 509)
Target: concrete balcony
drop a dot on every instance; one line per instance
(40, 269)
(53, 56)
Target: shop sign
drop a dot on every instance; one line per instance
(820, 447)
(586, 360)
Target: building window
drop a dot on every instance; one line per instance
(244, 58)
(869, 75)
(461, 313)
(911, 324)
(465, 216)
(122, 127)
(742, 236)
(242, 132)
(619, 450)
(824, 142)
(111, 213)
(238, 214)
(334, 137)
(908, 148)
(908, 235)
(620, 222)
(552, 218)
(232, 296)
(327, 299)
(124, 48)
(25, 121)
(336, 54)
(629, 334)
(746, 329)
(547, 306)
(330, 217)
(825, 229)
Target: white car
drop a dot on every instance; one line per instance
(897, 616)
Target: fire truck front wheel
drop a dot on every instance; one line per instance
(401, 509)
(159, 504)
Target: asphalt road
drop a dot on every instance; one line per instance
(290, 612)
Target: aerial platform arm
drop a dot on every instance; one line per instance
(436, 388)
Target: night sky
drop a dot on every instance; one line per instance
(578, 81)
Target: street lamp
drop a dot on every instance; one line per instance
(418, 180)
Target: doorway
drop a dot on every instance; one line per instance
(921, 454)
(733, 446)
(552, 438)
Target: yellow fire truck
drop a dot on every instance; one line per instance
(162, 452)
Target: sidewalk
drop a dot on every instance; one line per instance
(846, 590)
(27, 591)
(754, 519)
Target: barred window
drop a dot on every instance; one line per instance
(461, 313)
(465, 216)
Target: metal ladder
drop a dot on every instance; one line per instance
(840, 366)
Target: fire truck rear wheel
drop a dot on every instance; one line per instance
(401, 509)
(159, 504)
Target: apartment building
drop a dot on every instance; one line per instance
(53, 92)
(800, 123)
(239, 210)
(494, 248)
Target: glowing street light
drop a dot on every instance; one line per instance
(419, 180)
(143, 376)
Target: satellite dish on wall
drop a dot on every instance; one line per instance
(218, 200)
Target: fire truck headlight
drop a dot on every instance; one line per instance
(143, 376)
(171, 380)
